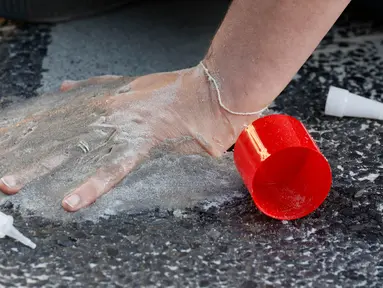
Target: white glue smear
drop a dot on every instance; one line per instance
(65, 120)
(166, 182)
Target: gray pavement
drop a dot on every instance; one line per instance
(140, 39)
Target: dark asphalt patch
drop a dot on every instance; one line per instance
(21, 54)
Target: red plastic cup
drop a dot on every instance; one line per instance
(282, 167)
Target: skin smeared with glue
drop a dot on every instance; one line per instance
(100, 129)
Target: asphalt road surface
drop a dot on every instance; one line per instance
(340, 245)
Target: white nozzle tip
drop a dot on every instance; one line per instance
(336, 101)
(31, 245)
(15, 234)
(7, 229)
(341, 103)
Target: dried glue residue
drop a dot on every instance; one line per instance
(166, 182)
(77, 123)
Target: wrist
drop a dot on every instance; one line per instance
(238, 91)
(229, 124)
(238, 118)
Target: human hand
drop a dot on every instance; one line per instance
(107, 125)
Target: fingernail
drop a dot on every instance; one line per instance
(69, 82)
(9, 181)
(73, 200)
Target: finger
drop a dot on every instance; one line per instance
(70, 84)
(99, 184)
(13, 183)
(9, 185)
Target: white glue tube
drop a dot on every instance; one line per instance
(342, 103)
(7, 229)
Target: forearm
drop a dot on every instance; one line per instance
(261, 44)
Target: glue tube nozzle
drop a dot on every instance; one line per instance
(7, 229)
(340, 102)
(15, 234)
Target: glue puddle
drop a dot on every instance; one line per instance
(166, 182)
